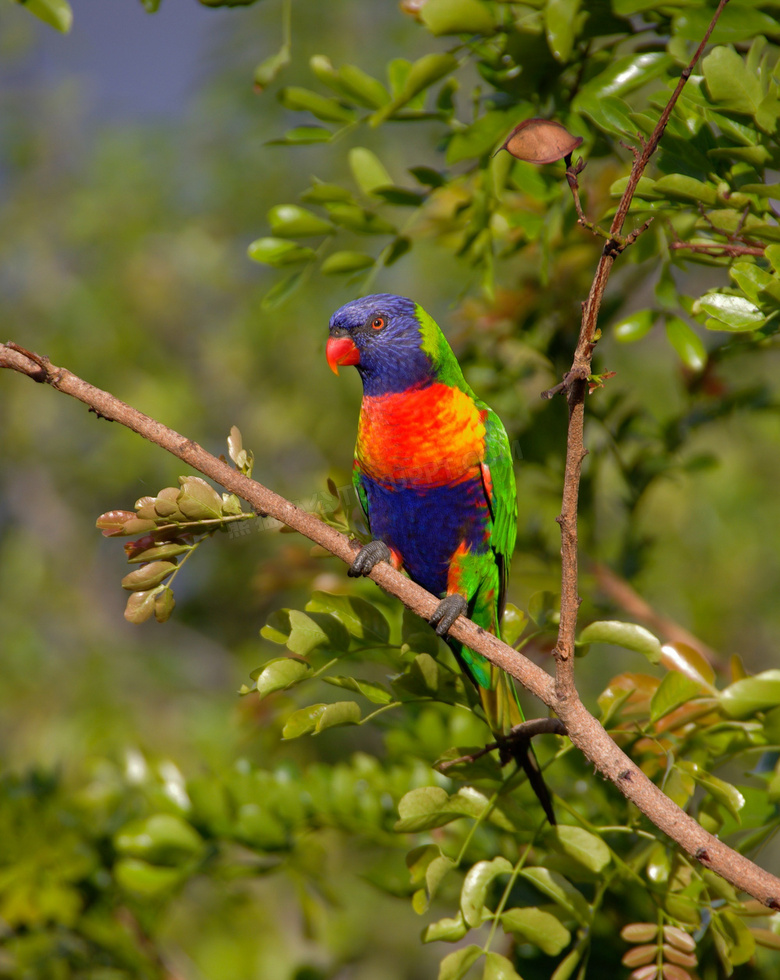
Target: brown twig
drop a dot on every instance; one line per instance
(730, 250)
(582, 728)
(525, 731)
(574, 385)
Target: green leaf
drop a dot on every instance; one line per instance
(726, 794)
(420, 76)
(293, 221)
(145, 880)
(446, 930)
(623, 75)
(561, 22)
(164, 604)
(562, 892)
(456, 965)
(745, 697)
(498, 967)
(302, 136)
(162, 838)
(533, 925)
(422, 809)
(368, 170)
(513, 624)
(304, 100)
(364, 88)
(140, 606)
(362, 619)
(148, 576)
(278, 252)
(197, 500)
(55, 13)
(475, 886)
(729, 82)
(268, 69)
(635, 326)
(735, 313)
(686, 343)
(752, 279)
(359, 219)
(375, 693)
(342, 263)
(675, 689)
(443, 17)
(308, 632)
(280, 674)
(317, 717)
(630, 636)
(338, 713)
(577, 843)
(679, 187)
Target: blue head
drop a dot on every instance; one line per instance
(382, 336)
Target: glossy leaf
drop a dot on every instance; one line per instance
(630, 636)
(361, 618)
(343, 263)
(198, 500)
(315, 630)
(675, 689)
(686, 343)
(730, 312)
(56, 13)
(447, 930)
(162, 838)
(498, 967)
(293, 221)
(456, 965)
(689, 661)
(304, 100)
(278, 252)
(562, 892)
(475, 885)
(443, 17)
(148, 576)
(634, 327)
(561, 22)
(368, 170)
(533, 925)
(280, 674)
(729, 82)
(374, 692)
(580, 845)
(757, 693)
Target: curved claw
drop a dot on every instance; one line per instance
(447, 612)
(369, 556)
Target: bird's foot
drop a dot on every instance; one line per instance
(447, 612)
(369, 556)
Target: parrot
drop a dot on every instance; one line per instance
(433, 474)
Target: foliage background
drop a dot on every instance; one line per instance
(123, 257)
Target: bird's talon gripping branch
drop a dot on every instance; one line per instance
(368, 557)
(447, 612)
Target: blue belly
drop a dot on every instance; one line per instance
(426, 526)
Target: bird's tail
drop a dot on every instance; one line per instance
(502, 710)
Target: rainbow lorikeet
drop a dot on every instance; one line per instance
(433, 473)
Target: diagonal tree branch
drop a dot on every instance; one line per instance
(582, 728)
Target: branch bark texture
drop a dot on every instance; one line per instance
(582, 728)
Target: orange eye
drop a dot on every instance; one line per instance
(378, 322)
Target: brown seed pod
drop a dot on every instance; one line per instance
(541, 141)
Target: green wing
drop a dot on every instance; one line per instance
(360, 490)
(502, 498)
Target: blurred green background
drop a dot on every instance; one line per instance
(123, 258)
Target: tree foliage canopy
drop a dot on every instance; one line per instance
(143, 833)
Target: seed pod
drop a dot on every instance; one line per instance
(541, 141)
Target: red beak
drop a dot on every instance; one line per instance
(341, 350)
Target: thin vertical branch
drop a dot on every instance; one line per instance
(574, 383)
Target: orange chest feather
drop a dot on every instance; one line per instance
(429, 437)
